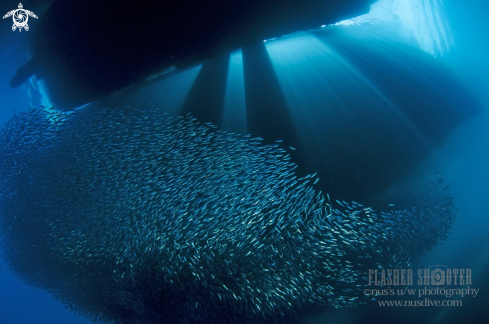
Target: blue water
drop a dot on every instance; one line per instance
(463, 154)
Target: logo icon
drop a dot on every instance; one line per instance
(20, 17)
(438, 276)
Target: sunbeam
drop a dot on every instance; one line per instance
(234, 116)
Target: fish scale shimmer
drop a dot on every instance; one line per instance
(132, 216)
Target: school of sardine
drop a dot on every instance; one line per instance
(132, 216)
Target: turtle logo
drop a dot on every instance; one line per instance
(20, 17)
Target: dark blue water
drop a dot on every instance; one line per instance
(405, 134)
(20, 303)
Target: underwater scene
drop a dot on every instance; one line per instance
(265, 162)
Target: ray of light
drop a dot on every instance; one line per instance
(167, 94)
(234, 116)
(358, 135)
(323, 90)
(422, 19)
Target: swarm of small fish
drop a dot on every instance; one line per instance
(133, 216)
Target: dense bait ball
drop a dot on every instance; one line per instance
(131, 216)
